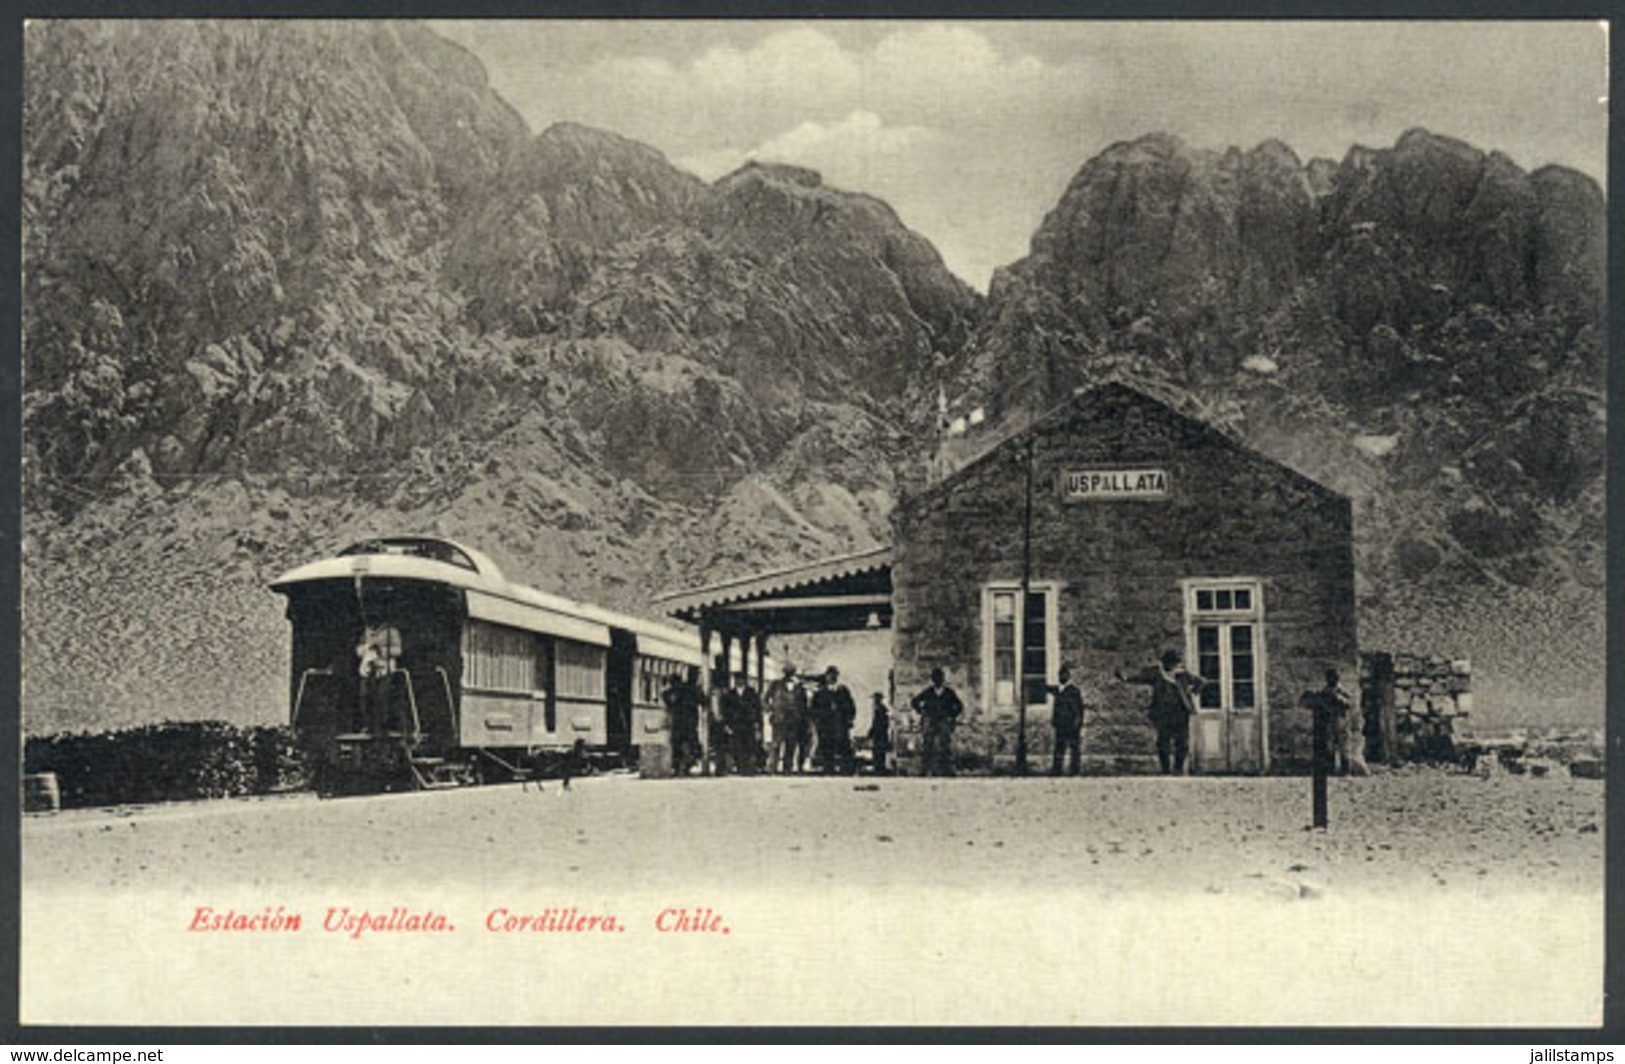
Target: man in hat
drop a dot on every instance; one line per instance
(1172, 703)
(787, 711)
(833, 713)
(879, 734)
(1067, 720)
(1334, 710)
(683, 698)
(741, 720)
(939, 709)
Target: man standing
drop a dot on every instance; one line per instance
(787, 711)
(1334, 710)
(751, 744)
(879, 734)
(833, 713)
(682, 699)
(1172, 688)
(802, 738)
(939, 709)
(1067, 719)
(380, 652)
(741, 714)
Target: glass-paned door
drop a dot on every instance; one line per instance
(1224, 622)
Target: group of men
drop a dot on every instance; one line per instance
(939, 708)
(1173, 692)
(813, 725)
(819, 725)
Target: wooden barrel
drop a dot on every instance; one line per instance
(41, 793)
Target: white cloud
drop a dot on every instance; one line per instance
(933, 67)
(860, 135)
(791, 65)
(952, 74)
(930, 74)
(938, 47)
(858, 145)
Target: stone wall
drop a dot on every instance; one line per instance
(1416, 702)
(1118, 566)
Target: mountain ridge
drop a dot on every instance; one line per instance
(346, 291)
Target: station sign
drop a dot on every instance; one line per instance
(1103, 485)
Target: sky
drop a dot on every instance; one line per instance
(971, 130)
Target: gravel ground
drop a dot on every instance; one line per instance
(1025, 889)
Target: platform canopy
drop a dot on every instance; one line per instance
(848, 593)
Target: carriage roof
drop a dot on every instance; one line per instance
(491, 595)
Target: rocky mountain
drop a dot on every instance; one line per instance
(1419, 326)
(308, 282)
(305, 282)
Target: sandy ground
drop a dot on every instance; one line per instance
(1434, 898)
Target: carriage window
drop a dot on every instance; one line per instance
(652, 675)
(498, 658)
(579, 671)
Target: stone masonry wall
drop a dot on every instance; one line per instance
(1229, 513)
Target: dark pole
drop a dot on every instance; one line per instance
(1323, 755)
(1021, 651)
(704, 723)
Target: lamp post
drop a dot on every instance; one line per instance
(1021, 650)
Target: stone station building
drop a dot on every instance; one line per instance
(1135, 529)
(1148, 531)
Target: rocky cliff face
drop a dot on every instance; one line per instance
(1154, 220)
(563, 201)
(307, 282)
(1418, 326)
(310, 281)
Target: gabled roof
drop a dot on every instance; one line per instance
(1064, 410)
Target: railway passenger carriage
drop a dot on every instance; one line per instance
(416, 663)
